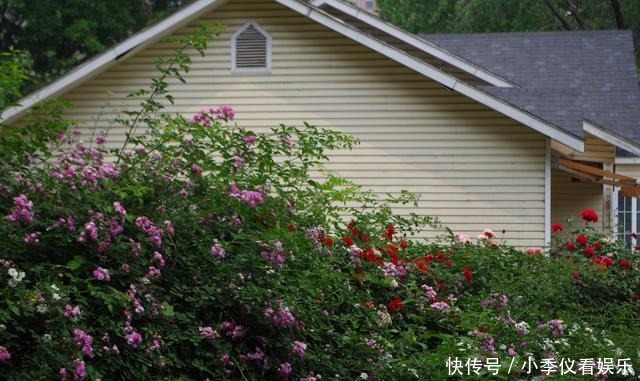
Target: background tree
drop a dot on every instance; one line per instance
(477, 16)
(59, 34)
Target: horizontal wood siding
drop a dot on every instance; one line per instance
(631, 170)
(474, 168)
(596, 150)
(569, 197)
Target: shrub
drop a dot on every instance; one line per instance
(201, 250)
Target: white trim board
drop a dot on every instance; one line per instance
(416, 42)
(547, 192)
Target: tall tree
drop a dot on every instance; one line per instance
(476, 16)
(59, 34)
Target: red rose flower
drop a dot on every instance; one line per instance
(422, 264)
(468, 274)
(603, 262)
(403, 244)
(347, 241)
(369, 305)
(534, 252)
(365, 238)
(356, 232)
(351, 225)
(634, 235)
(575, 274)
(589, 252)
(582, 240)
(388, 234)
(635, 297)
(395, 305)
(328, 241)
(624, 263)
(570, 246)
(597, 246)
(556, 228)
(589, 215)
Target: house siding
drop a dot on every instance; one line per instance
(595, 150)
(472, 167)
(570, 196)
(631, 170)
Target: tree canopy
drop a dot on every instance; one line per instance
(59, 34)
(478, 16)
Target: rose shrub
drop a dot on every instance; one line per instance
(201, 250)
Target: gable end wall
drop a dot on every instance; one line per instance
(474, 168)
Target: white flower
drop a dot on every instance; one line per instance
(13, 272)
(364, 376)
(42, 308)
(54, 287)
(394, 283)
(46, 337)
(55, 296)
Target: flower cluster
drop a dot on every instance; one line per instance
(277, 255)
(206, 117)
(281, 317)
(22, 211)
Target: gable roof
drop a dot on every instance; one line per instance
(437, 63)
(577, 80)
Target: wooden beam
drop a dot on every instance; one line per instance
(595, 171)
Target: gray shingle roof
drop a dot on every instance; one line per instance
(563, 77)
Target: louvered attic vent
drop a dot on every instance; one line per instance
(251, 50)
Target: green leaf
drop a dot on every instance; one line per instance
(76, 263)
(167, 310)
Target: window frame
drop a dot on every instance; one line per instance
(251, 70)
(615, 215)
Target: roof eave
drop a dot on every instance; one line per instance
(409, 38)
(611, 137)
(511, 111)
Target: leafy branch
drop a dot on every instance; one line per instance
(175, 67)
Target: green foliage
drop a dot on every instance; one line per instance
(203, 250)
(478, 16)
(13, 75)
(60, 34)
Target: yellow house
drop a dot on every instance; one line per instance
(482, 148)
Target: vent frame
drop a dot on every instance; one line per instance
(266, 68)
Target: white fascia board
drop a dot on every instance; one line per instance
(110, 57)
(610, 137)
(435, 74)
(416, 42)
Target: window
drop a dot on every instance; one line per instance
(369, 5)
(251, 50)
(627, 218)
